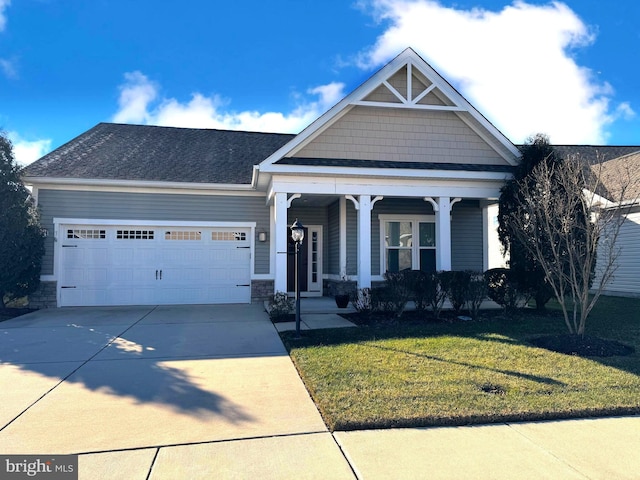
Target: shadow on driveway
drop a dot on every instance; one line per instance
(158, 355)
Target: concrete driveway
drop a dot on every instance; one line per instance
(209, 392)
(160, 392)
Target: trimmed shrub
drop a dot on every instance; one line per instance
(362, 302)
(436, 293)
(505, 290)
(427, 292)
(477, 293)
(456, 286)
(280, 305)
(396, 292)
(420, 290)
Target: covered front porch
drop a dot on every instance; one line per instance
(357, 238)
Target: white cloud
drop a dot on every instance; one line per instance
(3, 17)
(139, 103)
(8, 68)
(515, 65)
(25, 151)
(135, 95)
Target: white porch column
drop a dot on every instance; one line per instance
(364, 241)
(279, 235)
(443, 234)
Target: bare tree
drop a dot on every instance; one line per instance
(574, 211)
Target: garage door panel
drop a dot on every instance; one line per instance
(124, 256)
(219, 255)
(133, 255)
(236, 274)
(172, 296)
(129, 275)
(183, 255)
(84, 296)
(223, 293)
(73, 254)
(185, 276)
(75, 275)
(127, 296)
(96, 276)
(71, 296)
(136, 265)
(96, 256)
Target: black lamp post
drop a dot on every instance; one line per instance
(297, 235)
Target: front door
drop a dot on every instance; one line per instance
(310, 262)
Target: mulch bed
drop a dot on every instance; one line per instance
(408, 317)
(582, 346)
(290, 317)
(8, 313)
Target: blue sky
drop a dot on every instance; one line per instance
(568, 69)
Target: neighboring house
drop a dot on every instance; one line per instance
(620, 188)
(402, 173)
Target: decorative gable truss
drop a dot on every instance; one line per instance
(408, 88)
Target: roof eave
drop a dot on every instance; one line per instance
(35, 181)
(384, 172)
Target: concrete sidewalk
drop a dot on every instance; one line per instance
(210, 392)
(570, 449)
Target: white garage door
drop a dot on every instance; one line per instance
(130, 265)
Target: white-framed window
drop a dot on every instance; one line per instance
(407, 243)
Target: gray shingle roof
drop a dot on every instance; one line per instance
(595, 153)
(620, 178)
(615, 170)
(149, 153)
(112, 151)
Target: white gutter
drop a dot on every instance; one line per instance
(135, 184)
(306, 170)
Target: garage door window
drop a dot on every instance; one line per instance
(182, 235)
(134, 234)
(229, 236)
(86, 234)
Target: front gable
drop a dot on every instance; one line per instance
(408, 135)
(406, 116)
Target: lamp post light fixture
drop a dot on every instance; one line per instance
(297, 235)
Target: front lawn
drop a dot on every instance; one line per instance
(442, 373)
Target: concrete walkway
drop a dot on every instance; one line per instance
(210, 392)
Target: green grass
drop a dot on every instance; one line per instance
(460, 373)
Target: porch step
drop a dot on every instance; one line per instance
(315, 321)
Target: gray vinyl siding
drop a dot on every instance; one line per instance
(332, 248)
(466, 237)
(626, 278)
(154, 206)
(352, 239)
